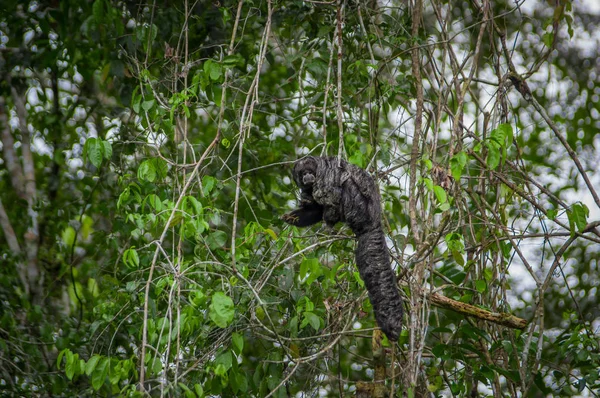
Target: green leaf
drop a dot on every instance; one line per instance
(271, 233)
(548, 38)
(428, 183)
(188, 393)
(152, 169)
(316, 270)
(428, 163)
(161, 167)
(480, 285)
(240, 382)
(493, 156)
(154, 202)
(505, 130)
(60, 357)
(91, 364)
(213, 69)
(233, 60)
(107, 149)
(99, 374)
(216, 240)
(195, 207)
(457, 256)
(454, 241)
(199, 390)
(220, 370)
(136, 103)
(131, 258)
(225, 359)
(440, 194)
(98, 11)
(312, 319)
(238, 342)
(147, 171)
(221, 309)
(147, 105)
(457, 165)
(156, 366)
(358, 159)
(94, 150)
(72, 361)
(578, 217)
(208, 183)
(68, 236)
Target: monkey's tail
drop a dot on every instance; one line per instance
(374, 266)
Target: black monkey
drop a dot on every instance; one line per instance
(334, 190)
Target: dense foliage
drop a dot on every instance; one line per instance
(146, 160)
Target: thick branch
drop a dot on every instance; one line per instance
(501, 318)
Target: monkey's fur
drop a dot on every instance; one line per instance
(333, 190)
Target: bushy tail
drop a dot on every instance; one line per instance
(373, 261)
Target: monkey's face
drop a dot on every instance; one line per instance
(304, 173)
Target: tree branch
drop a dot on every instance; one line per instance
(501, 318)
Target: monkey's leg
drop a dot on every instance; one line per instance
(306, 215)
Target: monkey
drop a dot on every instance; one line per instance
(333, 190)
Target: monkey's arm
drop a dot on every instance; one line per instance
(308, 214)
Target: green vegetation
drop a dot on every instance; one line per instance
(146, 153)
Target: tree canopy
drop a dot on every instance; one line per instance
(146, 157)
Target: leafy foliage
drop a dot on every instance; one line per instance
(146, 153)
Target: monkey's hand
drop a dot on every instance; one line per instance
(290, 218)
(308, 214)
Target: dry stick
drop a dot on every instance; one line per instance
(416, 68)
(245, 124)
(373, 119)
(184, 190)
(180, 244)
(324, 123)
(412, 204)
(340, 113)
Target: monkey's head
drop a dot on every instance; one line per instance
(305, 171)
